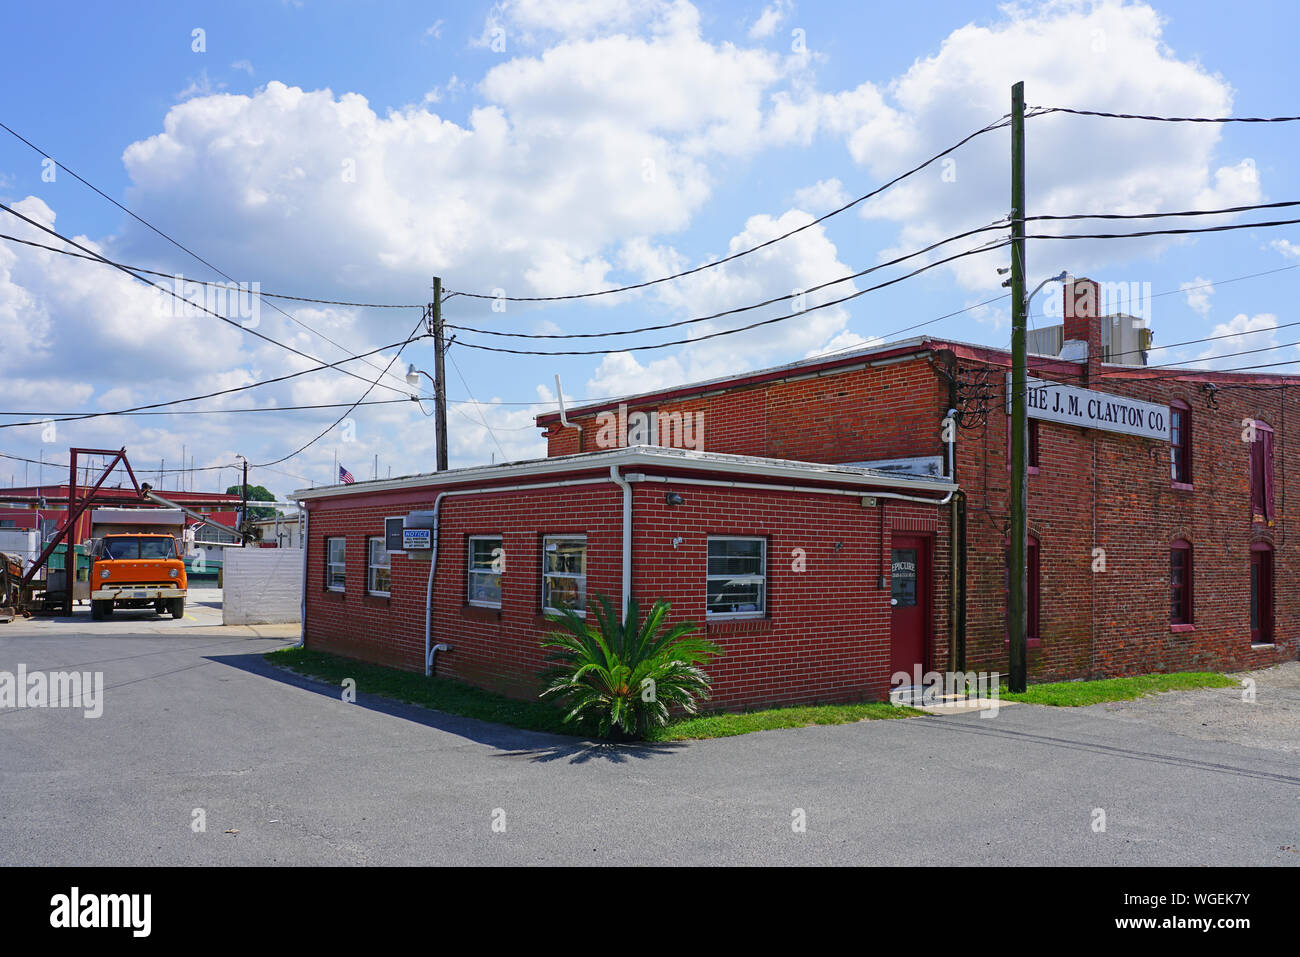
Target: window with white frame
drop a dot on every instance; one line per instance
(377, 566)
(736, 577)
(564, 573)
(335, 563)
(487, 560)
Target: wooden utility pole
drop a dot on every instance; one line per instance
(439, 385)
(1017, 604)
(243, 506)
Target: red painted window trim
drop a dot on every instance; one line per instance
(1031, 449)
(1033, 590)
(1263, 630)
(1183, 479)
(1262, 509)
(1182, 615)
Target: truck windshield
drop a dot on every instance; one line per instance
(121, 548)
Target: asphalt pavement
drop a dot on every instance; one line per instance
(197, 726)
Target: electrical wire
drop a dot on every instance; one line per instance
(207, 395)
(1000, 122)
(174, 295)
(155, 229)
(455, 365)
(269, 408)
(1166, 232)
(220, 285)
(1187, 212)
(755, 325)
(1043, 110)
(738, 309)
(411, 337)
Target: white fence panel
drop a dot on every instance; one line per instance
(261, 586)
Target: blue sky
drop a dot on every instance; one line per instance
(350, 151)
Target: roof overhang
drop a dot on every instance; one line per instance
(651, 458)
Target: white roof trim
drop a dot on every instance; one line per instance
(640, 455)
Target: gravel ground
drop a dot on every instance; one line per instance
(1272, 721)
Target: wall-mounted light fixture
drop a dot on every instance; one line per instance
(673, 498)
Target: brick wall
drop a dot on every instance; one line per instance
(825, 637)
(1094, 489)
(836, 417)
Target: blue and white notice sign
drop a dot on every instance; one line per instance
(414, 539)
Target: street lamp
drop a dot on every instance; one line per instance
(413, 376)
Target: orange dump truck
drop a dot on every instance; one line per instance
(136, 560)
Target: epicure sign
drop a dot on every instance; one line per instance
(1070, 405)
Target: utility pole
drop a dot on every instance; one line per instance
(1017, 605)
(243, 506)
(439, 370)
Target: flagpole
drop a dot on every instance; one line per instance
(334, 479)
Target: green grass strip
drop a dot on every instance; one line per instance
(1074, 694)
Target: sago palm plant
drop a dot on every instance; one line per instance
(626, 677)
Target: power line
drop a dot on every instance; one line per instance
(1166, 232)
(269, 408)
(755, 325)
(1043, 110)
(763, 245)
(154, 285)
(1188, 212)
(159, 232)
(204, 282)
(738, 309)
(411, 337)
(455, 365)
(207, 395)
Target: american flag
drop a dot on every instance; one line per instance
(345, 476)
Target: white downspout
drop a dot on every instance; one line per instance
(564, 419)
(429, 648)
(952, 441)
(627, 535)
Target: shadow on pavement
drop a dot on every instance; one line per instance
(515, 742)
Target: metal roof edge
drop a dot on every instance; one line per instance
(645, 456)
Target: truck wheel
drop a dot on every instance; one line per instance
(160, 606)
(96, 610)
(108, 608)
(177, 607)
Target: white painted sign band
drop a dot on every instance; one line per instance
(1089, 409)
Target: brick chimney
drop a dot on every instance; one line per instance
(1082, 325)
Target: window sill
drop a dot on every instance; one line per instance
(731, 624)
(1263, 645)
(375, 599)
(334, 594)
(1183, 627)
(480, 613)
(1029, 642)
(1182, 486)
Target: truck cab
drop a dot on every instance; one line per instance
(135, 570)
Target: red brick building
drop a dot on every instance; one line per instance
(1160, 537)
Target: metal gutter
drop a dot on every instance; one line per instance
(643, 456)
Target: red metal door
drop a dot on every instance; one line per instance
(909, 599)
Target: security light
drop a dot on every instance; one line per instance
(672, 498)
